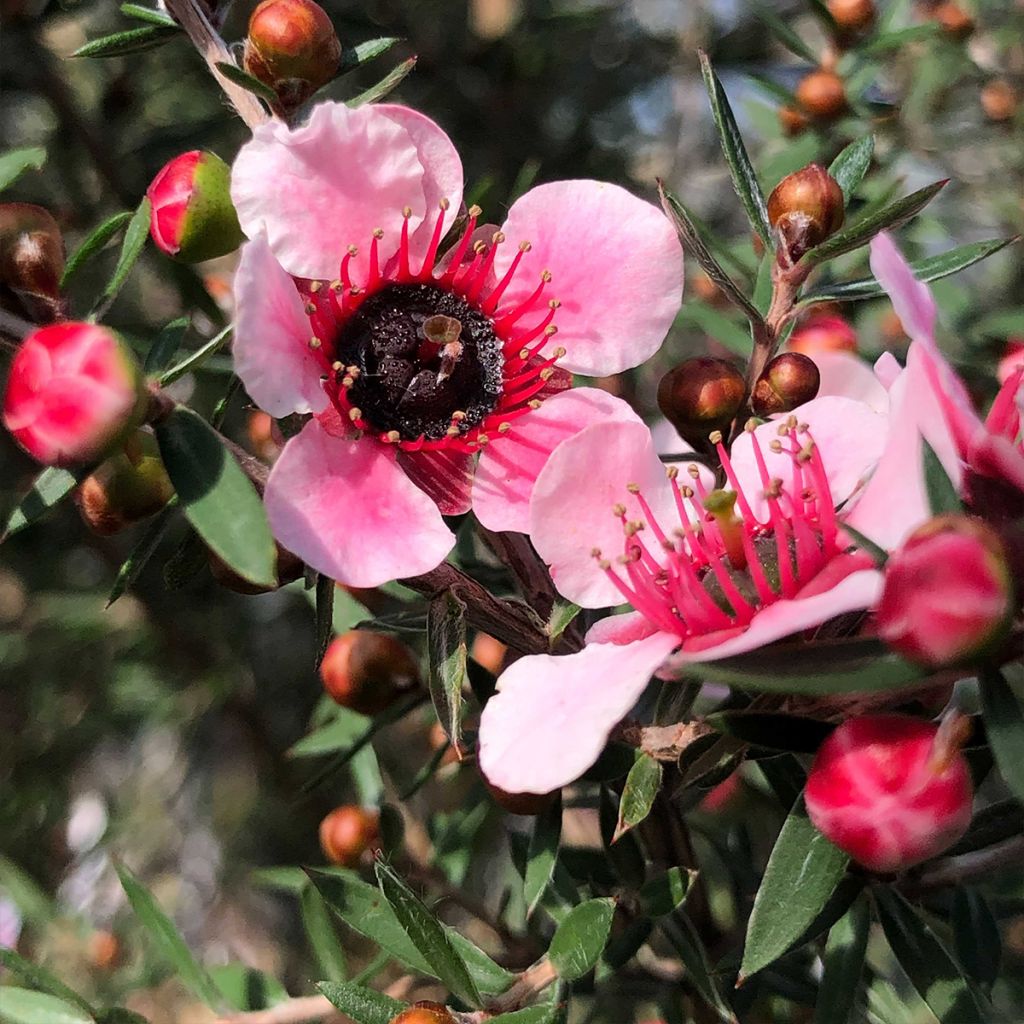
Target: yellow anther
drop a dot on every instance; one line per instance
(474, 211)
(406, 212)
(444, 204)
(504, 428)
(355, 414)
(633, 488)
(715, 437)
(525, 246)
(393, 436)
(618, 510)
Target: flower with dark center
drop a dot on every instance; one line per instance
(438, 377)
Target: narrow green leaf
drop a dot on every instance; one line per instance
(171, 945)
(154, 17)
(325, 591)
(95, 241)
(284, 879)
(320, 932)
(642, 785)
(743, 177)
(577, 943)
(218, 498)
(355, 56)
(143, 551)
(39, 978)
(165, 346)
(852, 164)
(195, 359)
(342, 732)
(245, 988)
(387, 84)
(979, 947)
(233, 73)
(26, 1006)
(784, 33)
(897, 39)
(48, 489)
(15, 162)
(993, 824)
(803, 871)
(446, 652)
(868, 546)
(542, 855)
(563, 614)
(427, 935)
(687, 944)
(25, 893)
(941, 491)
(666, 892)
(717, 325)
(1004, 723)
(844, 964)
(131, 40)
(363, 1005)
(135, 236)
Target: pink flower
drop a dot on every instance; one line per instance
(1011, 361)
(74, 389)
(823, 333)
(435, 385)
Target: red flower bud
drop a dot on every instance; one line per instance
(348, 832)
(525, 804)
(793, 121)
(129, 487)
(822, 94)
(293, 48)
(953, 19)
(424, 1012)
(804, 209)
(949, 595)
(788, 380)
(823, 334)
(367, 671)
(701, 395)
(192, 217)
(852, 16)
(999, 100)
(891, 791)
(73, 392)
(32, 258)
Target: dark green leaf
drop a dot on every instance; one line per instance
(852, 164)
(218, 498)
(24, 892)
(387, 84)
(363, 1005)
(347, 728)
(40, 978)
(543, 852)
(446, 652)
(642, 785)
(844, 964)
(132, 40)
(580, 938)
(1004, 723)
(687, 944)
(427, 935)
(26, 1006)
(941, 491)
(666, 892)
(245, 988)
(320, 932)
(991, 825)
(196, 359)
(803, 871)
(165, 345)
(354, 57)
(772, 730)
(868, 546)
(171, 945)
(135, 236)
(49, 489)
(979, 947)
(626, 857)
(784, 33)
(325, 591)
(93, 244)
(14, 163)
(154, 17)
(743, 177)
(233, 73)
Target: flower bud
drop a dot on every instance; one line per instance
(852, 16)
(822, 94)
(104, 950)
(129, 487)
(804, 209)
(424, 1012)
(701, 395)
(890, 790)
(953, 19)
(999, 100)
(73, 392)
(949, 596)
(366, 671)
(293, 48)
(793, 121)
(789, 380)
(488, 652)
(192, 217)
(707, 291)
(348, 832)
(823, 334)
(32, 258)
(527, 805)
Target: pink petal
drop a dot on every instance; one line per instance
(624, 628)
(270, 348)
(847, 376)
(552, 715)
(667, 440)
(447, 477)
(887, 368)
(509, 465)
(571, 509)
(616, 265)
(347, 510)
(911, 299)
(319, 188)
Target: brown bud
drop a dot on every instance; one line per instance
(852, 16)
(707, 291)
(822, 94)
(32, 259)
(366, 671)
(953, 19)
(789, 380)
(793, 121)
(289, 567)
(999, 100)
(524, 804)
(293, 48)
(348, 832)
(701, 395)
(804, 209)
(104, 950)
(424, 1012)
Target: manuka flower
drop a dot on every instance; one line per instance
(437, 381)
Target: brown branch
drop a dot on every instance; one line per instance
(955, 870)
(293, 1011)
(662, 742)
(529, 984)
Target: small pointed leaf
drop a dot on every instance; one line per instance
(580, 938)
(363, 1005)
(852, 164)
(642, 785)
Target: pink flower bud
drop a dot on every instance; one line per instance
(891, 791)
(73, 392)
(192, 217)
(948, 596)
(823, 334)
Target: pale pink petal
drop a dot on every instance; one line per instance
(347, 510)
(847, 376)
(446, 476)
(571, 509)
(911, 299)
(667, 440)
(887, 368)
(624, 628)
(552, 715)
(994, 456)
(270, 347)
(509, 465)
(319, 188)
(616, 265)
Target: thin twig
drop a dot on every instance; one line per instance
(293, 1011)
(525, 988)
(954, 870)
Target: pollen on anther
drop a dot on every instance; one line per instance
(310, 308)
(337, 367)
(482, 439)
(534, 403)
(315, 286)
(406, 212)
(559, 352)
(750, 426)
(693, 470)
(347, 382)
(355, 414)
(775, 446)
(546, 374)
(497, 238)
(595, 552)
(686, 491)
(524, 353)
(453, 431)
(672, 472)
(353, 250)
(525, 246)
(336, 286)
(545, 276)
(479, 246)
(458, 416)
(378, 233)
(551, 330)
(554, 304)
(618, 510)
(504, 428)
(393, 436)
(444, 204)
(715, 437)
(315, 342)
(474, 211)
(633, 488)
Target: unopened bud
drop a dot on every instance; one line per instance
(524, 804)
(424, 1012)
(822, 95)
(999, 100)
(73, 392)
(701, 395)
(32, 258)
(852, 16)
(293, 48)
(104, 950)
(793, 121)
(821, 334)
(890, 790)
(288, 567)
(949, 595)
(953, 19)
(127, 488)
(707, 291)
(366, 671)
(789, 380)
(804, 209)
(192, 217)
(348, 833)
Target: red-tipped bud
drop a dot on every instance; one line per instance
(701, 395)
(293, 48)
(424, 1012)
(953, 19)
(822, 95)
(129, 487)
(192, 217)
(719, 798)
(525, 804)
(32, 258)
(891, 791)
(852, 16)
(823, 334)
(789, 380)
(999, 100)
(288, 568)
(804, 209)
(73, 392)
(367, 671)
(793, 121)
(349, 832)
(949, 594)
